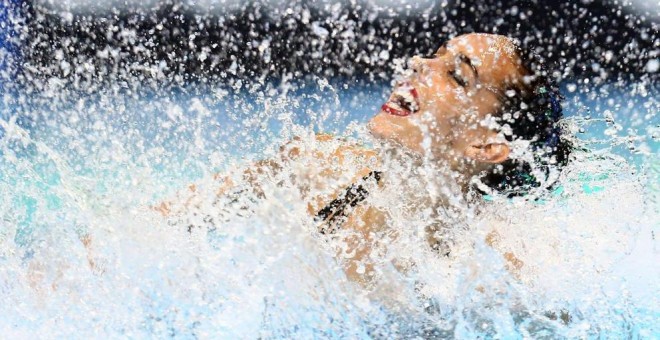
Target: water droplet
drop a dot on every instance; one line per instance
(652, 66)
(571, 87)
(384, 55)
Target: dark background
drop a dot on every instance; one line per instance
(170, 42)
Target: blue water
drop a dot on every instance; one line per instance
(93, 164)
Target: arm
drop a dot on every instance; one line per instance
(190, 197)
(321, 169)
(312, 168)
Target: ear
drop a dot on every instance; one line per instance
(488, 153)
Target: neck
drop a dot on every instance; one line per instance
(422, 178)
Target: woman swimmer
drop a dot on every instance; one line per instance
(480, 106)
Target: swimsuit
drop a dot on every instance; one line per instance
(336, 211)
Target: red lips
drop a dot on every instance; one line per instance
(399, 108)
(393, 111)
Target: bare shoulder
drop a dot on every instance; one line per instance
(328, 148)
(325, 165)
(326, 155)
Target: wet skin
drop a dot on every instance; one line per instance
(443, 111)
(456, 91)
(452, 97)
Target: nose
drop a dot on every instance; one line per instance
(417, 64)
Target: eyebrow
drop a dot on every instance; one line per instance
(468, 61)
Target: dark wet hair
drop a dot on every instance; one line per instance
(532, 114)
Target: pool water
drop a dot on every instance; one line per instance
(94, 165)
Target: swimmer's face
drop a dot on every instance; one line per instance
(446, 106)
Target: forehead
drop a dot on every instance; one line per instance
(495, 57)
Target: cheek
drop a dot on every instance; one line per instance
(438, 126)
(443, 120)
(432, 87)
(444, 99)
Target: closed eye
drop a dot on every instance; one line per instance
(457, 78)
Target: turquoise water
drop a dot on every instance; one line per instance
(94, 165)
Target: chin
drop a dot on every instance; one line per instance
(381, 127)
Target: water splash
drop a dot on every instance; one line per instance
(264, 271)
(94, 141)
